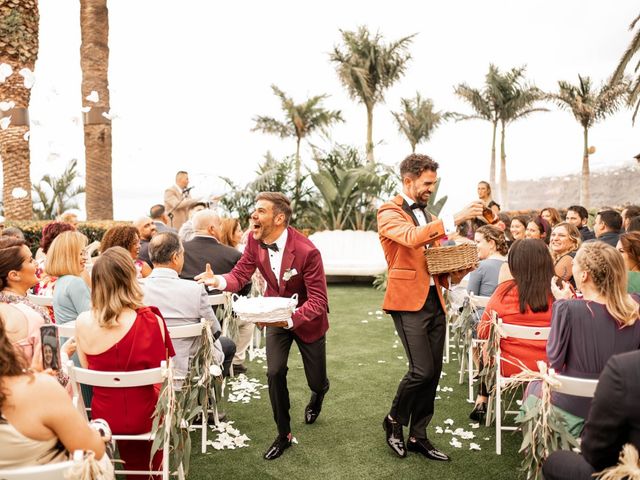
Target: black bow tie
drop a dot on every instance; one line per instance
(270, 246)
(416, 206)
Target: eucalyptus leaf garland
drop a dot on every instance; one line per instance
(184, 405)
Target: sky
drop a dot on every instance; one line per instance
(187, 79)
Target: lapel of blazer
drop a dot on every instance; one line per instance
(287, 260)
(263, 260)
(407, 209)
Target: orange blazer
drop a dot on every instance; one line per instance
(403, 244)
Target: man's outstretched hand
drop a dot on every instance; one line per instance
(473, 210)
(207, 277)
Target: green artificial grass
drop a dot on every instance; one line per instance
(348, 441)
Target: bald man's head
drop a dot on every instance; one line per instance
(146, 228)
(206, 222)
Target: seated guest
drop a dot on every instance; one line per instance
(629, 247)
(70, 218)
(484, 194)
(50, 231)
(578, 216)
(492, 251)
(66, 260)
(586, 332)
(564, 243)
(38, 423)
(181, 302)
(22, 318)
(13, 232)
(634, 224)
(205, 247)
(504, 220)
(127, 237)
(187, 232)
(538, 229)
(231, 235)
(160, 219)
(627, 214)
(614, 420)
(518, 227)
(525, 300)
(146, 230)
(607, 227)
(120, 334)
(551, 215)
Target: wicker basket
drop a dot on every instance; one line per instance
(451, 259)
(264, 309)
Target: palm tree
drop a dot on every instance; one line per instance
(94, 61)
(57, 194)
(418, 120)
(300, 121)
(18, 52)
(367, 67)
(589, 105)
(484, 106)
(634, 85)
(514, 100)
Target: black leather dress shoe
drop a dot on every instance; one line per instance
(277, 448)
(395, 439)
(239, 368)
(424, 447)
(313, 408)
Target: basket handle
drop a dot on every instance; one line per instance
(295, 297)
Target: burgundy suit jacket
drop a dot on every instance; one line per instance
(310, 320)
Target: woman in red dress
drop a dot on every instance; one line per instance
(121, 334)
(524, 300)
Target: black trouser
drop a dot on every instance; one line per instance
(229, 350)
(566, 465)
(422, 334)
(314, 359)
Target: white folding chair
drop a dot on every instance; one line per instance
(66, 330)
(51, 471)
(477, 301)
(138, 378)
(216, 299)
(42, 300)
(580, 387)
(521, 333)
(192, 331)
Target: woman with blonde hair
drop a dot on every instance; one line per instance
(551, 215)
(563, 244)
(119, 333)
(587, 331)
(66, 260)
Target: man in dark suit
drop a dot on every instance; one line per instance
(290, 264)
(614, 420)
(578, 216)
(205, 248)
(607, 227)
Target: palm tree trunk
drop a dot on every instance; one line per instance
(296, 194)
(584, 179)
(504, 188)
(19, 50)
(370, 134)
(94, 60)
(492, 167)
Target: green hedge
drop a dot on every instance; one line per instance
(33, 230)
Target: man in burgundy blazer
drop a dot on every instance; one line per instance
(290, 264)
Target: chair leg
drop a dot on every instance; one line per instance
(489, 411)
(446, 341)
(498, 414)
(470, 370)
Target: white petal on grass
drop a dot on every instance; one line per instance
(5, 122)
(474, 446)
(448, 421)
(475, 425)
(439, 430)
(19, 193)
(93, 96)
(382, 361)
(378, 312)
(364, 321)
(455, 443)
(29, 77)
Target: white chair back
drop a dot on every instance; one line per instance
(217, 299)
(136, 378)
(581, 387)
(478, 301)
(524, 333)
(186, 331)
(66, 330)
(42, 300)
(51, 471)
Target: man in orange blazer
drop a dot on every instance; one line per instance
(414, 300)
